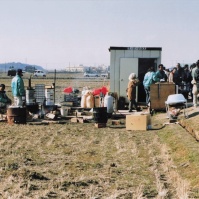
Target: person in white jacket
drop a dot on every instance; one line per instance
(171, 75)
(195, 83)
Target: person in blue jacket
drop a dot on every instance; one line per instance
(149, 78)
(18, 90)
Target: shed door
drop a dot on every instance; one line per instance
(127, 66)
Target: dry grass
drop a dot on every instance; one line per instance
(76, 160)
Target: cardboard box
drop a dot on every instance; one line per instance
(138, 122)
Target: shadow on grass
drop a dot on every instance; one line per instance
(193, 114)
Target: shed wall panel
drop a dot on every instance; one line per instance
(138, 53)
(155, 54)
(146, 53)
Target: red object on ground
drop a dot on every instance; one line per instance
(104, 90)
(68, 90)
(97, 91)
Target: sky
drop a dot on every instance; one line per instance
(56, 34)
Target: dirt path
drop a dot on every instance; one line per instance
(81, 161)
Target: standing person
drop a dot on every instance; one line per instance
(149, 78)
(167, 72)
(195, 82)
(186, 80)
(18, 90)
(131, 91)
(192, 69)
(4, 100)
(160, 74)
(178, 75)
(171, 75)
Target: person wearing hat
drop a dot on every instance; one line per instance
(131, 91)
(18, 90)
(5, 101)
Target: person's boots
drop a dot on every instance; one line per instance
(130, 106)
(138, 109)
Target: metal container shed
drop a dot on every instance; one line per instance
(126, 60)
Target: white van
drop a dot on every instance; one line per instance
(39, 73)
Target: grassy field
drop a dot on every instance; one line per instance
(75, 160)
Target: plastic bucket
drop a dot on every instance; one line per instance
(64, 111)
(33, 108)
(108, 102)
(16, 115)
(100, 115)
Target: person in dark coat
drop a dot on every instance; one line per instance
(131, 91)
(5, 101)
(178, 75)
(160, 74)
(186, 80)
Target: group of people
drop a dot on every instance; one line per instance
(150, 77)
(18, 92)
(186, 78)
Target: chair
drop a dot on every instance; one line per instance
(177, 101)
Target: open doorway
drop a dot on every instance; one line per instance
(143, 66)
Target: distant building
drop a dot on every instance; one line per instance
(88, 69)
(30, 69)
(77, 69)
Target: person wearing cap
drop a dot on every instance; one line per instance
(5, 101)
(131, 91)
(18, 90)
(149, 78)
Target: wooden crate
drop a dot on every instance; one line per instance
(159, 93)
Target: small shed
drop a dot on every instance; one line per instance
(126, 60)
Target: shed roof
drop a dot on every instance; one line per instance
(134, 48)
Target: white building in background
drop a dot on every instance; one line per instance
(77, 69)
(89, 69)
